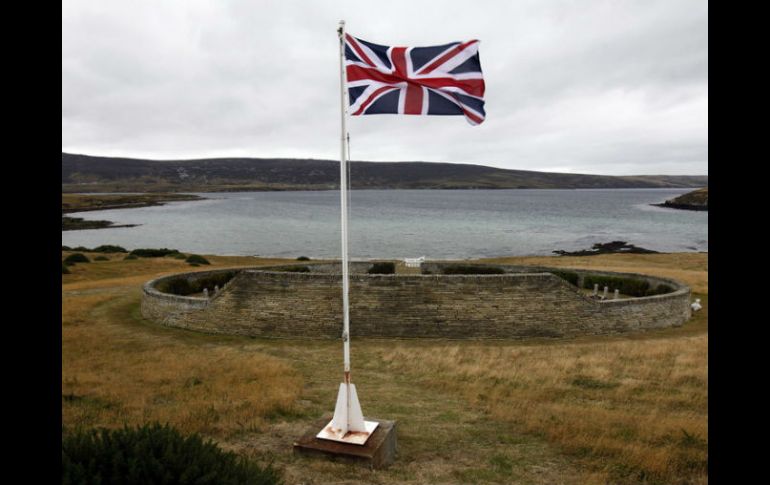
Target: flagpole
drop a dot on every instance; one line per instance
(344, 211)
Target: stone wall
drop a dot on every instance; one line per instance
(519, 304)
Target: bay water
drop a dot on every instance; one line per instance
(396, 224)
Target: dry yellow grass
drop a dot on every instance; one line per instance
(592, 410)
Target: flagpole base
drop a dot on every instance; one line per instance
(351, 437)
(378, 452)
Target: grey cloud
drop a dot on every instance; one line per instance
(592, 87)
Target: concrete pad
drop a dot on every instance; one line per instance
(379, 451)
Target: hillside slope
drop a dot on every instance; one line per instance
(107, 174)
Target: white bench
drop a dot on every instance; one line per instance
(414, 262)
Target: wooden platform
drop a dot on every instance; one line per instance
(379, 451)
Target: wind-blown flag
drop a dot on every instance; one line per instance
(436, 80)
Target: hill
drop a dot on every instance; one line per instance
(107, 174)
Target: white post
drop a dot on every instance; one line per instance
(348, 424)
(344, 208)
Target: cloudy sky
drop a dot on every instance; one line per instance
(588, 86)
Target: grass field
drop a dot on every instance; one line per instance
(591, 410)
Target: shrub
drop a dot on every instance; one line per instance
(77, 258)
(109, 248)
(66, 248)
(472, 269)
(154, 253)
(177, 286)
(181, 286)
(303, 258)
(81, 248)
(295, 269)
(568, 276)
(65, 269)
(154, 454)
(627, 286)
(661, 289)
(130, 256)
(382, 268)
(194, 258)
(101, 258)
(179, 256)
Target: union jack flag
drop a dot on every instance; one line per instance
(435, 80)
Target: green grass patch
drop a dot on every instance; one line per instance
(589, 383)
(101, 258)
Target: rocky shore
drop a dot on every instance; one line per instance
(697, 200)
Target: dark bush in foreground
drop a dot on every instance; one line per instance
(295, 269)
(65, 269)
(130, 256)
(77, 258)
(101, 258)
(382, 268)
(303, 258)
(154, 253)
(109, 248)
(568, 276)
(155, 454)
(470, 269)
(194, 258)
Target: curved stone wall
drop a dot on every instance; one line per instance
(522, 303)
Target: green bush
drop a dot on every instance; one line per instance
(176, 286)
(81, 248)
(181, 286)
(77, 258)
(568, 276)
(65, 269)
(109, 248)
(472, 269)
(66, 248)
(194, 258)
(101, 258)
(627, 286)
(295, 269)
(179, 256)
(382, 268)
(153, 253)
(661, 289)
(155, 454)
(130, 256)
(303, 258)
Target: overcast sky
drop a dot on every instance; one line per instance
(588, 86)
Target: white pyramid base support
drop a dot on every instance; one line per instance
(348, 424)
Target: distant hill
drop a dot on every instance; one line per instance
(81, 173)
(697, 200)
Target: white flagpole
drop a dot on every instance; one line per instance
(344, 210)
(348, 424)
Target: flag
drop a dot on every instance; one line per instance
(435, 80)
